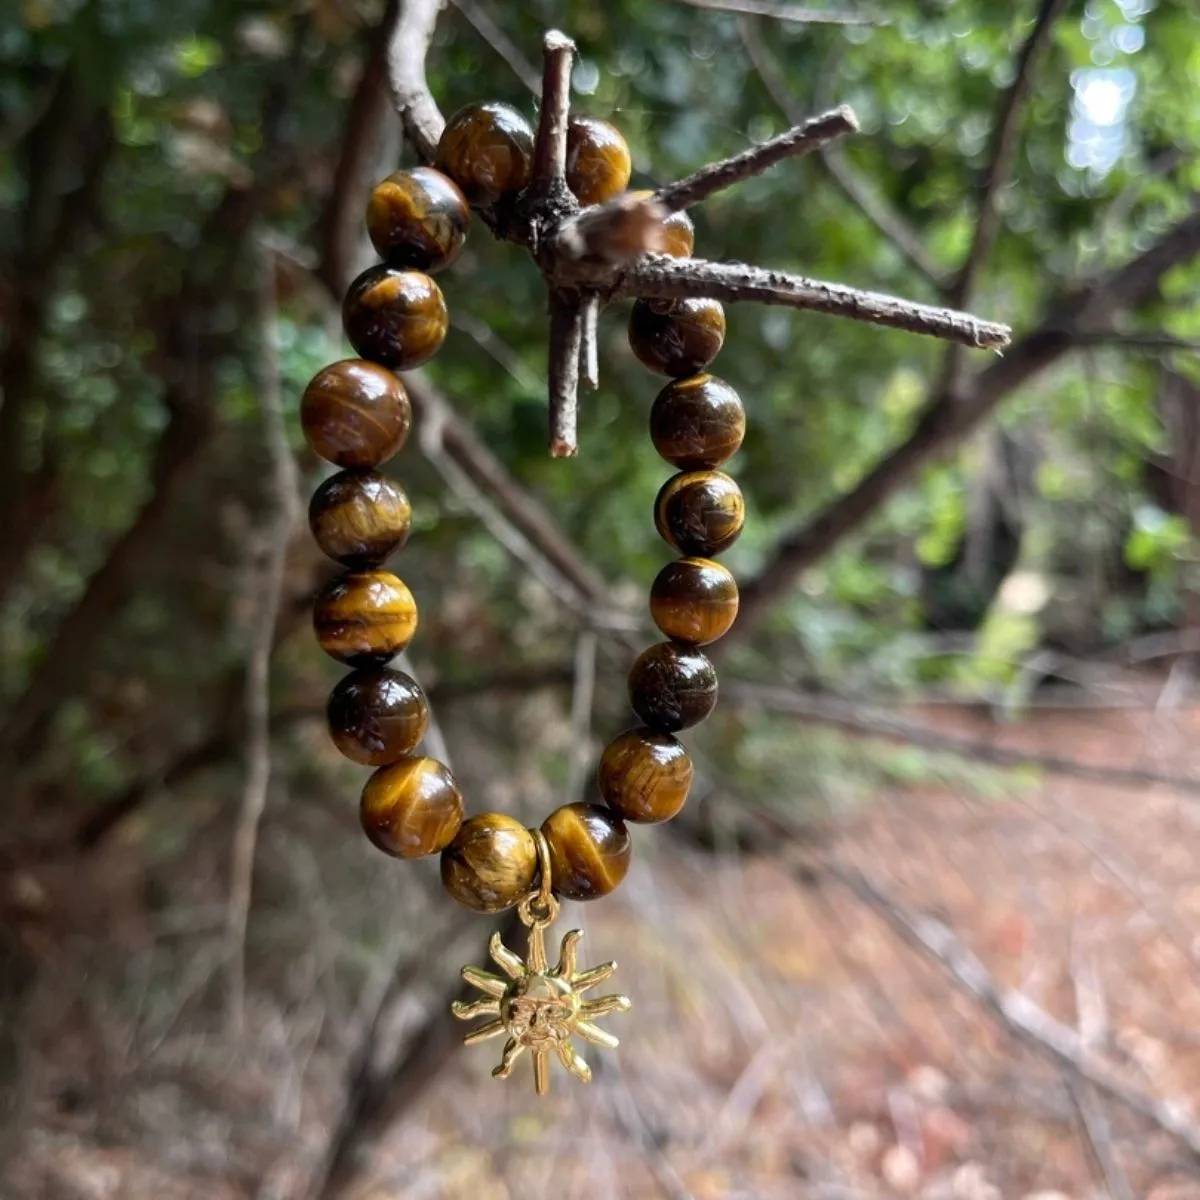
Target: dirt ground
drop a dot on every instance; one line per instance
(784, 1041)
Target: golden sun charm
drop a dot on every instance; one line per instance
(540, 1008)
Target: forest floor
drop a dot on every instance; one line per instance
(784, 1041)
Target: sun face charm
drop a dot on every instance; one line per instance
(540, 1008)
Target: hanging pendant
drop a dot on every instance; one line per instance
(540, 1008)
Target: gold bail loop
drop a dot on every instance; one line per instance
(540, 907)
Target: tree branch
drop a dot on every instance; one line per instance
(501, 43)
(339, 227)
(1003, 151)
(550, 145)
(286, 503)
(780, 11)
(566, 338)
(869, 202)
(1013, 1009)
(869, 721)
(795, 143)
(947, 418)
(663, 277)
(407, 48)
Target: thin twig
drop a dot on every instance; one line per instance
(1003, 151)
(800, 140)
(779, 11)
(1099, 1139)
(497, 349)
(550, 147)
(582, 697)
(566, 336)
(589, 351)
(663, 277)
(1016, 1011)
(284, 482)
(501, 43)
(823, 709)
(407, 48)
(868, 200)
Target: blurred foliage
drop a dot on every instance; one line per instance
(1110, 157)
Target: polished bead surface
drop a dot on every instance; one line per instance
(355, 414)
(700, 513)
(679, 235)
(487, 149)
(598, 162)
(589, 850)
(418, 218)
(396, 318)
(697, 422)
(492, 864)
(412, 807)
(377, 715)
(694, 600)
(360, 517)
(645, 775)
(364, 618)
(672, 687)
(680, 341)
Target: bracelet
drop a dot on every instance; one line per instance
(356, 414)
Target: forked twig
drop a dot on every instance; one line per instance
(604, 250)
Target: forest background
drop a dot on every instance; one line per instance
(958, 711)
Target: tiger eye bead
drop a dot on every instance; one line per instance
(487, 149)
(672, 687)
(397, 318)
(598, 162)
(645, 776)
(697, 422)
(589, 850)
(359, 517)
(411, 808)
(678, 342)
(700, 513)
(377, 716)
(418, 218)
(679, 236)
(355, 414)
(365, 618)
(492, 863)
(694, 600)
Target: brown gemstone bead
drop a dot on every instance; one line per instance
(487, 149)
(364, 618)
(700, 513)
(672, 687)
(589, 850)
(598, 162)
(355, 414)
(492, 864)
(418, 218)
(679, 342)
(645, 775)
(377, 716)
(679, 235)
(412, 807)
(360, 517)
(397, 318)
(697, 422)
(694, 600)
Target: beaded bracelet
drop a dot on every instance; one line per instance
(356, 414)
